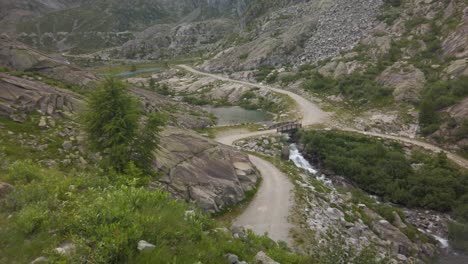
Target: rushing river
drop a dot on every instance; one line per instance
(299, 160)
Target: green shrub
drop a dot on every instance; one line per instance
(439, 95)
(262, 73)
(360, 88)
(458, 236)
(22, 172)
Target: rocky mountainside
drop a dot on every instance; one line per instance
(305, 32)
(418, 54)
(13, 11)
(164, 29)
(86, 24)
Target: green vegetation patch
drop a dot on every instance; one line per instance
(384, 169)
(417, 180)
(437, 96)
(361, 88)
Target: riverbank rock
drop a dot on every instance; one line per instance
(198, 169)
(66, 248)
(269, 145)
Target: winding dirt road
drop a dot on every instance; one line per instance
(270, 209)
(312, 114)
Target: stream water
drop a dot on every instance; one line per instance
(451, 258)
(129, 74)
(233, 115)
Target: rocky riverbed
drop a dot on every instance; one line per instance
(328, 207)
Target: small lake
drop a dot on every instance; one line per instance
(129, 74)
(234, 115)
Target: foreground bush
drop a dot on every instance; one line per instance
(105, 215)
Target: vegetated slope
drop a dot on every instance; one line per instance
(100, 217)
(414, 57)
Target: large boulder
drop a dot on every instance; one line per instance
(198, 169)
(399, 242)
(405, 80)
(22, 96)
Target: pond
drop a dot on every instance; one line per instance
(234, 115)
(129, 74)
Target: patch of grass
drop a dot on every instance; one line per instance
(14, 136)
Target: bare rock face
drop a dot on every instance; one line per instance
(197, 169)
(459, 111)
(340, 69)
(23, 96)
(164, 40)
(406, 81)
(456, 45)
(20, 57)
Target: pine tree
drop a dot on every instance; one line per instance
(111, 122)
(147, 142)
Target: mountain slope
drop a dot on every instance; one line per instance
(92, 25)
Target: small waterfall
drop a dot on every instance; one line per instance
(444, 243)
(300, 162)
(296, 157)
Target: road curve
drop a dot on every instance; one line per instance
(269, 210)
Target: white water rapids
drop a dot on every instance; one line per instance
(299, 160)
(296, 157)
